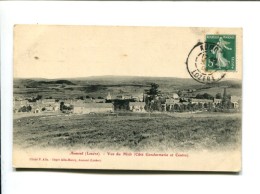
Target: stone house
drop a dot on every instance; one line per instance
(169, 103)
(216, 102)
(235, 100)
(175, 96)
(137, 106)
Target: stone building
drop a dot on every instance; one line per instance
(137, 106)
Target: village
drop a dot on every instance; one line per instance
(146, 102)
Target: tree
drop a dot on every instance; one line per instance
(22, 109)
(207, 96)
(204, 96)
(25, 109)
(61, 106)
(153, 91)
(80, 98)
(199, 96)
(151, 102)
(181, 109)
(179, 93)
(218, 96)
(157, 105)
(189, 107)
(195, 107)
(210, 107)
(38, 97)
(184, 107)
(176, 107)
(200, 106)
(229, 105)
(28, 109)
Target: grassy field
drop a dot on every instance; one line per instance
(130, 131)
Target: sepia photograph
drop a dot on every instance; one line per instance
(129, 97)
(114, 97)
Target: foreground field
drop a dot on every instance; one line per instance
(130, 131)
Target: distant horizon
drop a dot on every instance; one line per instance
(64, 78)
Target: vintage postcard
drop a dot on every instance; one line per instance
(134, 98)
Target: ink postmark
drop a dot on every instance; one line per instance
(209, 61)
(196, 64)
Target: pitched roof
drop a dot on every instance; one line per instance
(175, 95)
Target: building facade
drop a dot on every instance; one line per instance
(137, 106)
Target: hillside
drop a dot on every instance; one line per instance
(99, 86)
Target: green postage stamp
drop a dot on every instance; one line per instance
(222, 56)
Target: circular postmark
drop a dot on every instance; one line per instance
(196, 63)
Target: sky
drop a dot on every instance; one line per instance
(42, 51)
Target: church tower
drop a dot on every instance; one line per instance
(225, 93)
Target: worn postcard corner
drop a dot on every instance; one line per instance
(134, 98)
